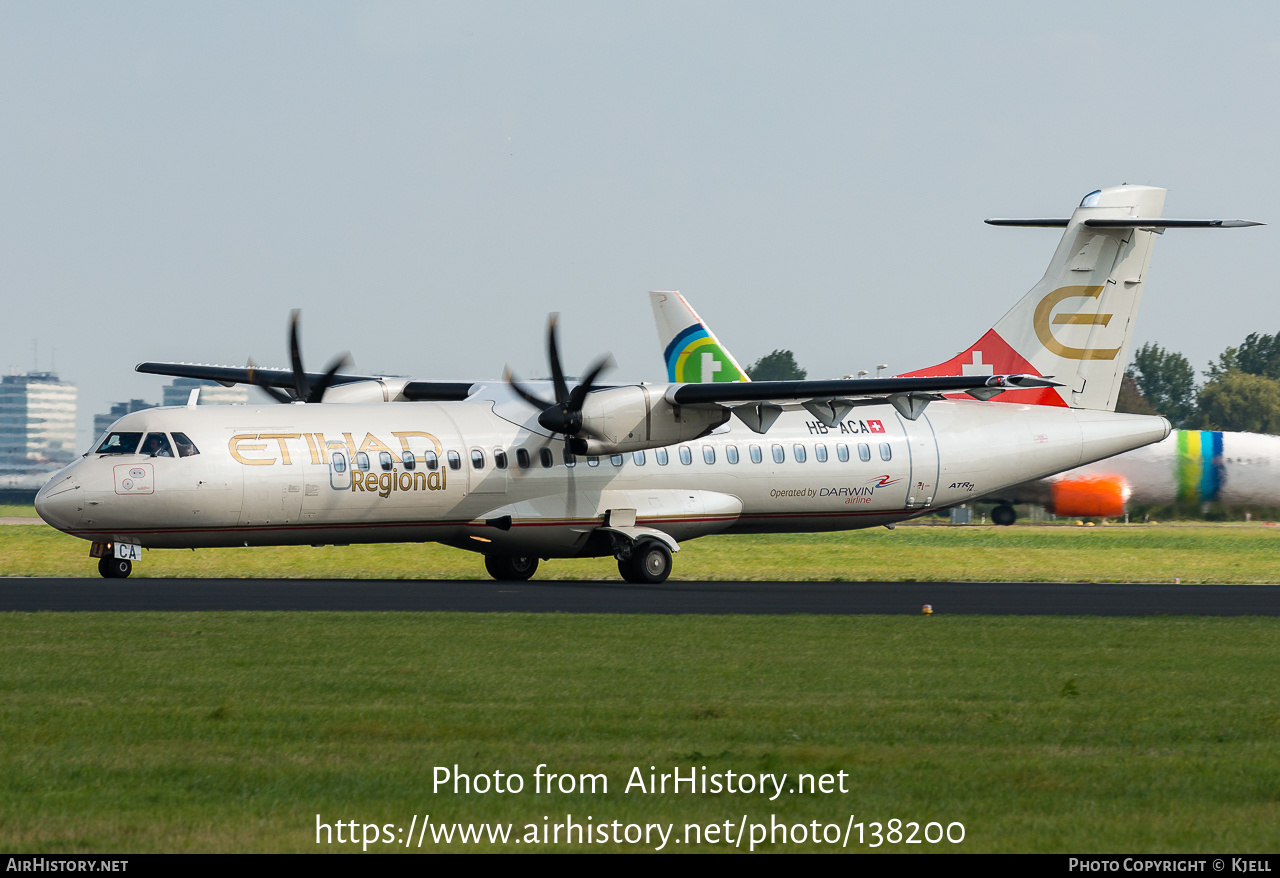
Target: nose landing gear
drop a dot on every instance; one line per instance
(115, 568)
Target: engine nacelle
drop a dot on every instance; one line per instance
(638, 416)
(1096, 496)
(381, 390)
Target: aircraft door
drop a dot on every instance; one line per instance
(487, 470)
(922, 445)
(339, 471)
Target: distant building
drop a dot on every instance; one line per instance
(118, 411)
(37, 421)
(179, 390)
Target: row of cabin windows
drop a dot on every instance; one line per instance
(431, 461)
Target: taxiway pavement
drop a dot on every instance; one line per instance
(484, 596)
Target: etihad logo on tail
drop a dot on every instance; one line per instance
(1043, 324)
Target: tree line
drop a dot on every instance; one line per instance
(1240, 391)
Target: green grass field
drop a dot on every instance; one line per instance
(231, 732)
(1132, 553)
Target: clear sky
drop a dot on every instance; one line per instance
(427, 181)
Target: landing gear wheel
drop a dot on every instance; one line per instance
(115, 568)
(510, 568)
(1004, 515)
(649, 564)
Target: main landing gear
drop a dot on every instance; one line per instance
(510, 568)
(1004, 515)
(648, 564)
(115, 568)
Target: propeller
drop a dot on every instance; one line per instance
(303, 390)
(564, 414)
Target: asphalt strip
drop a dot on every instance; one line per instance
(747, 598)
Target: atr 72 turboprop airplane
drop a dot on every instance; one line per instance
(627, 471)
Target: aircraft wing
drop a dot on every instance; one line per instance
(758, 403)
(413, 391)
(980, 386)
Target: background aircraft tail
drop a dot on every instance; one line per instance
(690, 349)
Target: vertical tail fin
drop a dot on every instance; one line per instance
(691, 350)
(1077, 323)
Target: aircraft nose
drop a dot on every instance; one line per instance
(61, 502)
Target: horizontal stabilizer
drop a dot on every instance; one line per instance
(1158, 223)
(1129, 223)
(1031, 223)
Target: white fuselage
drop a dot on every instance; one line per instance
(337, 474)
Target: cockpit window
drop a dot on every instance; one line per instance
(156, 445)
(120, 443)
(186, 448)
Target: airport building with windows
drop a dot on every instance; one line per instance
(178, 391)
(118, 411)
(37, 421)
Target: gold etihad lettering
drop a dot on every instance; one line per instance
(1045, 333)
(238, 449)
(251, 449)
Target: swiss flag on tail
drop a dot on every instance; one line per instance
(992, 355)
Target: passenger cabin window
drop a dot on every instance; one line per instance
(339, 461)
(186, 448)
(522, 458)
(544, 456)
(885, 451)
(386, 461)
(842, 452)
(362, 461)
(820, 453)
(156, 445)
(731, 453)
(799, 452)
(430, 461)
(637, 457)
(779, 454)
(570, 459)
(499, 458)
(661, 456)
(455, 459)
(615, 459)
(593, 460)
(864, 451)
(757, 456)
(686, 455)
(709, 454)
(477, 458)
(409, 461)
